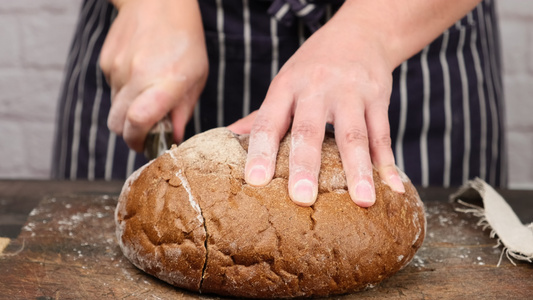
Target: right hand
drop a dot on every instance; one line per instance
(155, 60)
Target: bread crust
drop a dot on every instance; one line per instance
(190, 219)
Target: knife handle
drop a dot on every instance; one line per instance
(159, 139)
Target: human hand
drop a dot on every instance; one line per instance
(244, 125)
(338, 76)
(155, 60)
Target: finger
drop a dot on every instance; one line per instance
(352, 139)
(112, 59)
(116, 44)
(107, 55)
(244, 125)
(122, 92)
(179, 116)
(182, 113)
(269, 126)
(148, 108)
(121, 100)
(307, 135)
(380, 146)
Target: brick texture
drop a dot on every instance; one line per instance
(34, 40)
(516, 27)
(35, 36)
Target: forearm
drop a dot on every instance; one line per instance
(404, 27)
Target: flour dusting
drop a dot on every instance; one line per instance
(192, 201)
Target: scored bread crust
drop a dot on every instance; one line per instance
(189, 218)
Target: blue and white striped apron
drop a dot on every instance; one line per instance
(446, 110)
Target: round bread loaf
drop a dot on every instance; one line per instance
(189, 218)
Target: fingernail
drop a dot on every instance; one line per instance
(396, 183)
(364, 194)
(303, 192)
(257, 176)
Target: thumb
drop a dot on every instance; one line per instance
(244, 125)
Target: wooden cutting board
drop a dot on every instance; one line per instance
(68, 250)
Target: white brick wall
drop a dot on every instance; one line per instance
(35, 36)
(516, 28)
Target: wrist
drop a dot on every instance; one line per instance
(403, 28)
(359, 27)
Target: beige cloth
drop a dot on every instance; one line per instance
(517, 238)
(3, 244)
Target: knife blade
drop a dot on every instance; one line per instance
(159, 139)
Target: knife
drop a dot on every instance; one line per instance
(159, 138)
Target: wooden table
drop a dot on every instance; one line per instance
(63, 246)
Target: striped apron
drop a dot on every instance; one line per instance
(446, 109)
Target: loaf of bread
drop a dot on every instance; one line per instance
(189, 218)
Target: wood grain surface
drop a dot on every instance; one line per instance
(67, 249)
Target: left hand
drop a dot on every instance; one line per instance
(343, 75)
(331, 79)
